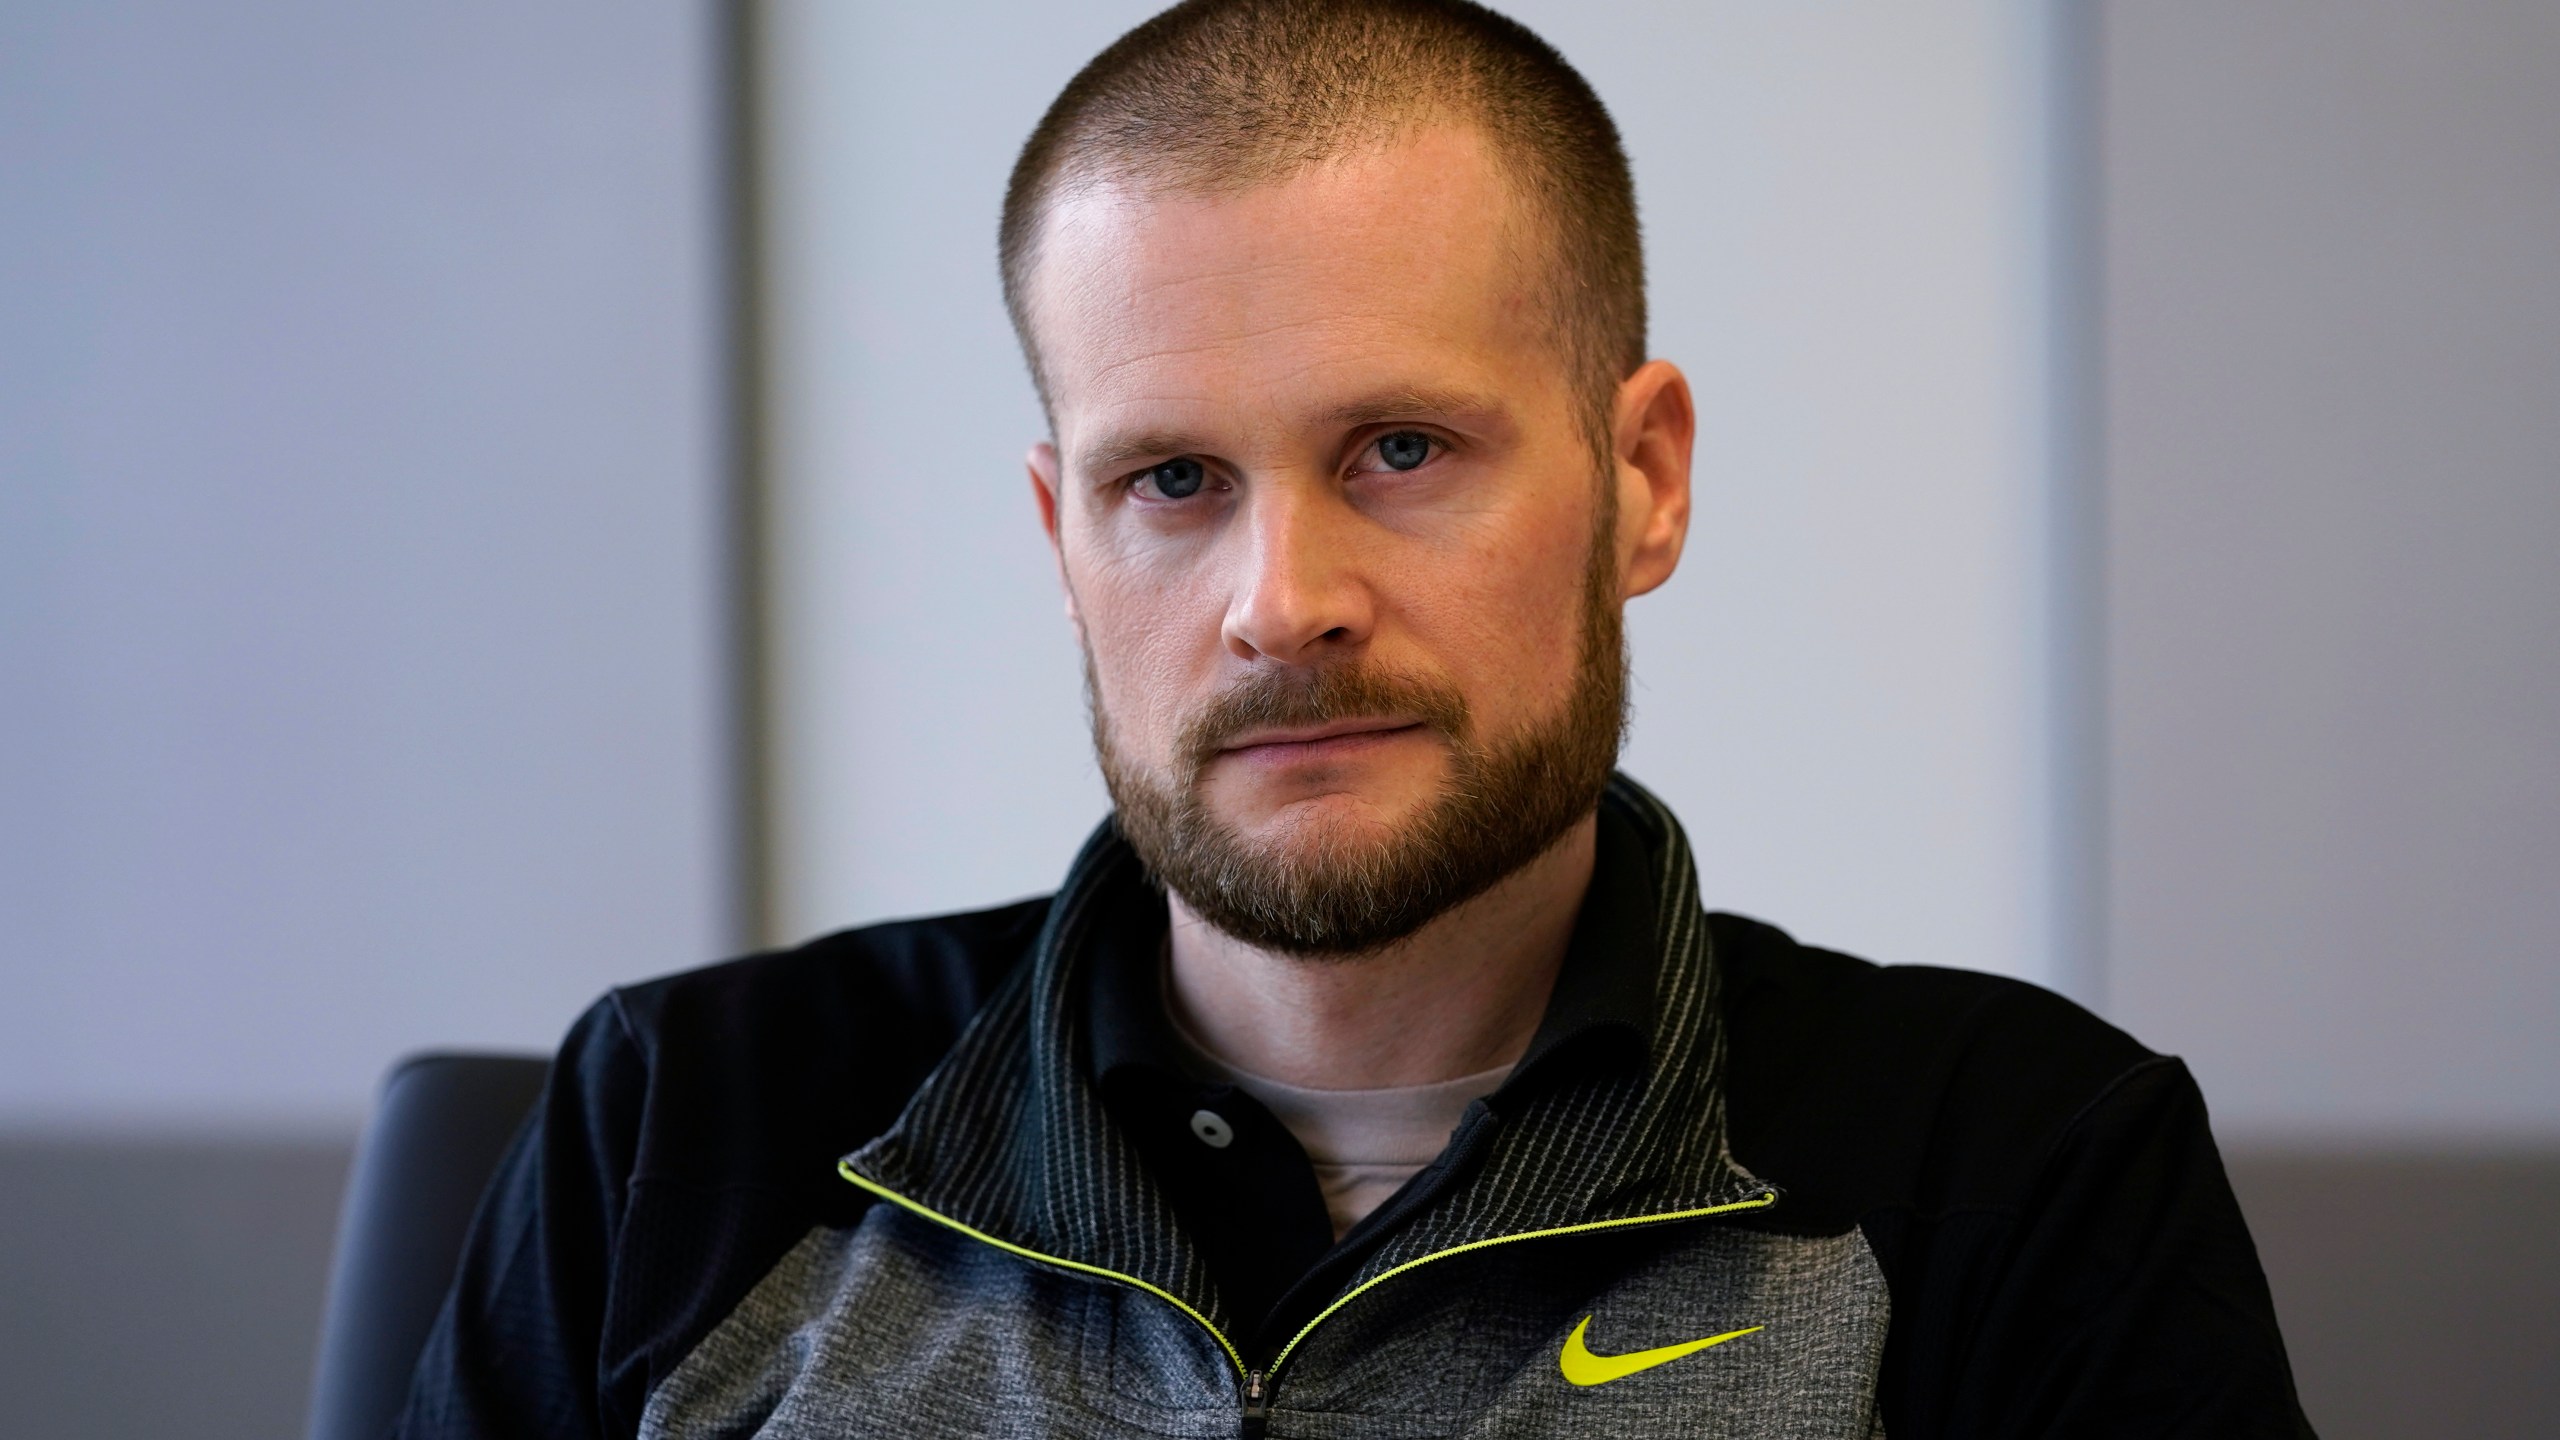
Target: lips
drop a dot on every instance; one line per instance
(1318, 734)
(1309, 742)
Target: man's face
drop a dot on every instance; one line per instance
(1331, 523)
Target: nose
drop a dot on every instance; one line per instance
(1300, 597)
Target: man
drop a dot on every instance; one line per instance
(1376, 1070)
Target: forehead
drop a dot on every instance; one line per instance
(1394, 267)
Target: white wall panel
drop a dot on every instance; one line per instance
(360, 504)
(2333, 390)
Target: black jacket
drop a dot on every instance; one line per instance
(789, 1195)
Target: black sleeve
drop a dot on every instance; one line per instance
(515, 1351)
(686, 1140)
(2121, 1296)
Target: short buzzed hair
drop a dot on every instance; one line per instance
(1214, 97)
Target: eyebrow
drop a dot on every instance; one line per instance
(1113, 452)
(1412, 403)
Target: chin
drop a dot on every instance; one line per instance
(1330, 822)
(1329, 812)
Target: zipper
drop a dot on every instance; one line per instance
(1234, 1356)
(1257, 1405)
(1254, 1386)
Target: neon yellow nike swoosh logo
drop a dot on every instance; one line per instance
(1584, 1368)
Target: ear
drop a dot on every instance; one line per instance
(1042, 462)
(1655, 428)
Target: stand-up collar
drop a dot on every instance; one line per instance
(1601, 1009)
(1010, 1137)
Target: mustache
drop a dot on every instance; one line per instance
(1291, 698)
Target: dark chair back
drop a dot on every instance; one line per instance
(443, 1123)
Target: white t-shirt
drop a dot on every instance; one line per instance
(1364, 1143)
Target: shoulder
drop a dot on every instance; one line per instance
(1856, 1086)
(786, 1059)
(685, 1141)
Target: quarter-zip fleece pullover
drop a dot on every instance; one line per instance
(878, 1186)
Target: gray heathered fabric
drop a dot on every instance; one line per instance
(903, 1326)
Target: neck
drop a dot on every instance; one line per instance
(1462, 995)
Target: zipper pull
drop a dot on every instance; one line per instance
(1257, 1406)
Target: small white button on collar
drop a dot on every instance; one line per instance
(1213, 1129)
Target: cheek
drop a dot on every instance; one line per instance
(1151, 639)
(1503, 610)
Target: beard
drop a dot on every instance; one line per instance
(1350, 891)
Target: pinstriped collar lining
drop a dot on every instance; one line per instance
(1010, 1136)
(1602, 1007)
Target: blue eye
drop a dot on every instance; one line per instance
(1176, 479)
(1404, 449)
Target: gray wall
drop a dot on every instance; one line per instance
(361, 677)
(163, 1290)
(2332, 349)
(358, 390)
(2330, 325)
